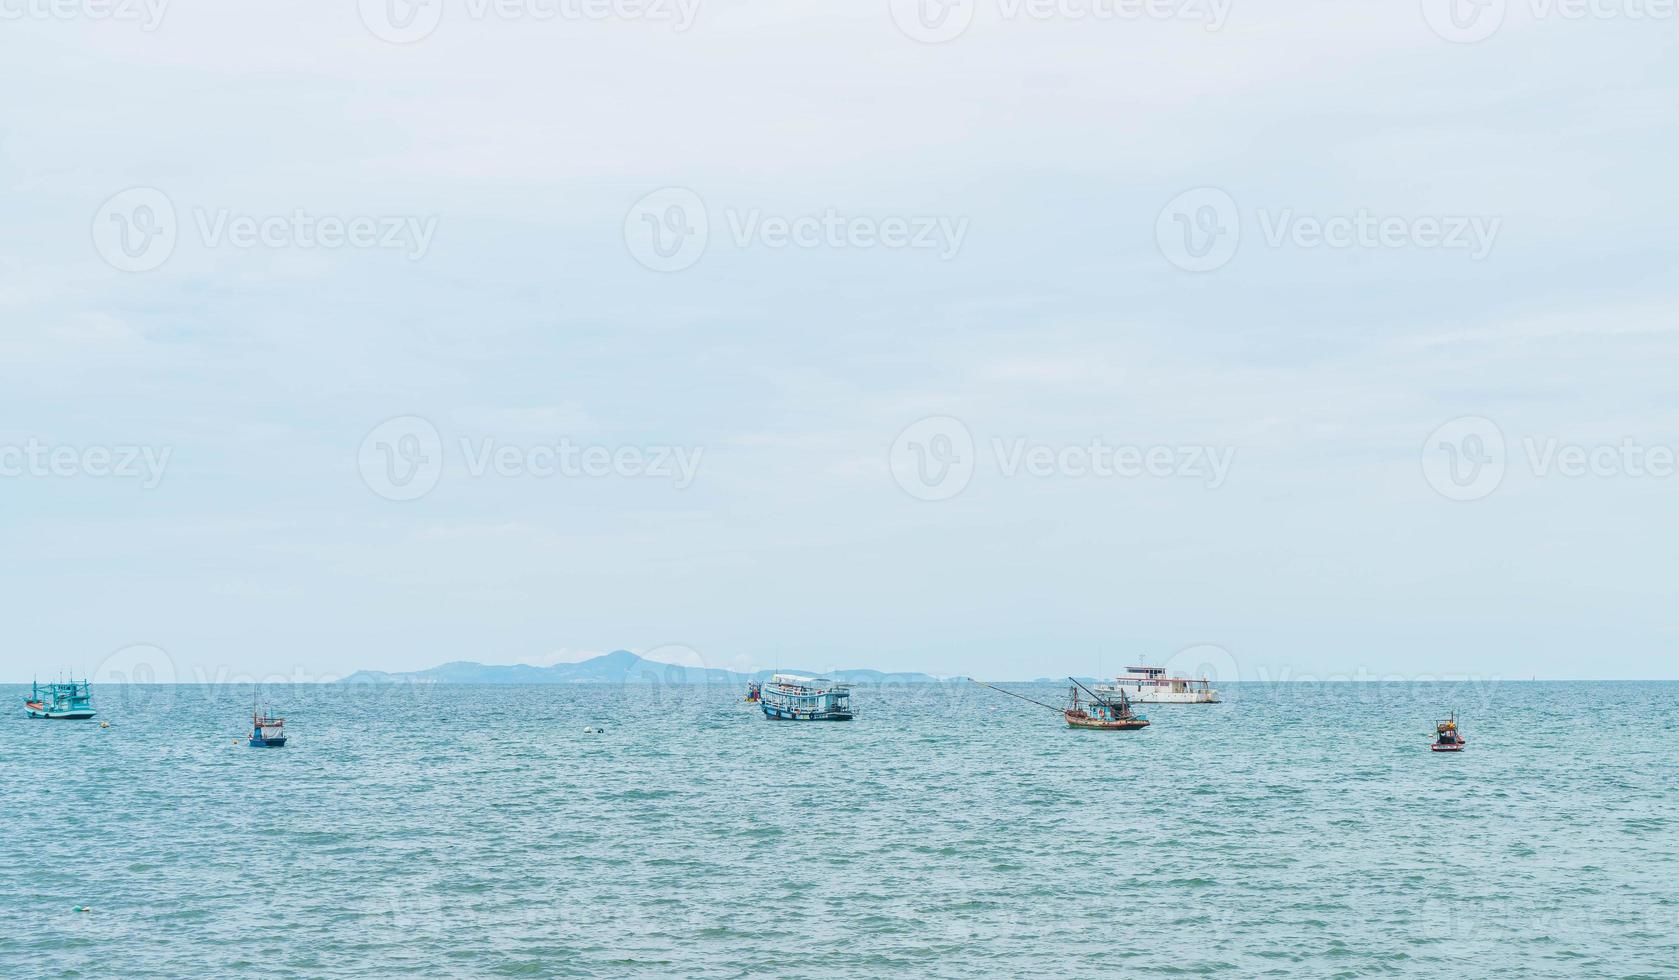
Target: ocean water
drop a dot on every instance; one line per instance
(1295, 830)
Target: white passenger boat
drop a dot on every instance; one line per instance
(791, 697)
(1150, 685)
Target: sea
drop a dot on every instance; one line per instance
(1294, 830)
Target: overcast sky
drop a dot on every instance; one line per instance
(1002, 339)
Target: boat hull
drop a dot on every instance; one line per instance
(781, 714)
(51, 715)
(1095, 725)
(268, 743)
(1437, 747)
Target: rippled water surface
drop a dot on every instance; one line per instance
(949, 831)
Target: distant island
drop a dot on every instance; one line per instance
(618, 667)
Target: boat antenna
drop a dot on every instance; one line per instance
(1014, 695)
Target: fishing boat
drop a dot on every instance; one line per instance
(1104, 712)
(1101, 712)
(1150, 685)
(754, 693)
(791, 697)
(1446, 736)
(267, 731)
(67, 700)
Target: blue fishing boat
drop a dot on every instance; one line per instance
(790, 697)
(267, 732)
(67, 700)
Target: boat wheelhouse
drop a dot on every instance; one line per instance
(267, 731)
(1150, 685)
(67, 700)
(791, 697)
(1447, 738)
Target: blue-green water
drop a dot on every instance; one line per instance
(949, 831)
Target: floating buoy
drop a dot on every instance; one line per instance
(104, 724)
(592, 730)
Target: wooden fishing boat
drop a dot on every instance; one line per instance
(1105, 713)
(1099, 713)
(1447, 738)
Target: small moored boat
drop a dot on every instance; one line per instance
(267, 731)
(68, 701)
(790, 697)
(754, 693)
(1446, 736)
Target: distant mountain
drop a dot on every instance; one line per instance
(618, 667)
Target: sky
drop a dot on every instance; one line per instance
(1300, 339)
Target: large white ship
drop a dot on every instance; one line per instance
(1150, 685)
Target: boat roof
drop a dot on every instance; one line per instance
(801, 680)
